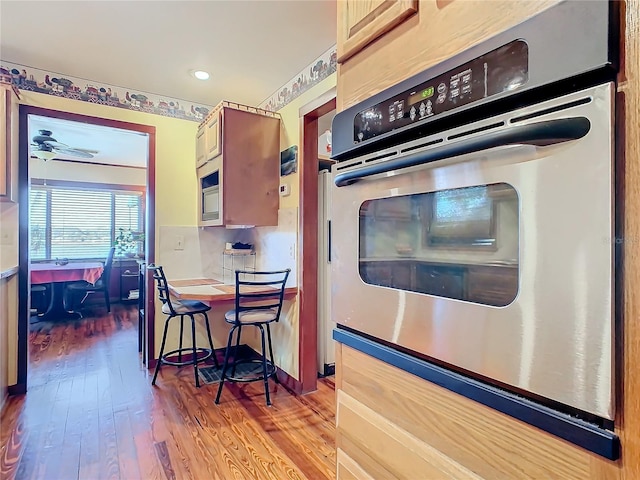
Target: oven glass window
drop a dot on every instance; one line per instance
(460, 243)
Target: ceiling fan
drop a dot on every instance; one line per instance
(46, 147)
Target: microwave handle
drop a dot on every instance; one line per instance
(540, 134)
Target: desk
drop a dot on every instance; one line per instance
(210, 290)
(58, 276)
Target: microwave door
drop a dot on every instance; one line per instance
(211, 203)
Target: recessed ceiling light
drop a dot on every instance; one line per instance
(201, 75)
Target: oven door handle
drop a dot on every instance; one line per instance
(539, 134)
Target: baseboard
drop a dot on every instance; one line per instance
(288, 382)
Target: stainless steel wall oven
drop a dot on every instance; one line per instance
(474, 211)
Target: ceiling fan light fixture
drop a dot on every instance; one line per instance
(44, 154)
(201, 75)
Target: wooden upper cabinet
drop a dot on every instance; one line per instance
(251, 164)
(201, 146)
(208, 137)
(413, 42)
(212, 132)
(208, 144)
(246, 167)
(8, 145)
(363, 21)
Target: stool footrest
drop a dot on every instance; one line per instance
(271, 371)
(207, 353)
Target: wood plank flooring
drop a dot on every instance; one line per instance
(91, 413)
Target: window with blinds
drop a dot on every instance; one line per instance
(76, 223)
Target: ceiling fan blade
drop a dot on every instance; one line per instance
(55, 144)
(74, 152)
(86, 150)
(46, 143)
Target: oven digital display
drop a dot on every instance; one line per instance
(503, 69)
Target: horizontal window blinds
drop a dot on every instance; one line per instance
(38, 224)
(79, 223)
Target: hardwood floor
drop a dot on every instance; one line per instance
(91, 413)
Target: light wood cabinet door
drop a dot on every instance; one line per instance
(8, 145)
(4, 132)
(393, 424)
(348, 469)
(201, 146)
(439, 30)
(382, 449)
(212, 129)
(363, 21)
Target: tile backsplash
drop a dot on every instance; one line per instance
(195, 252)
(276, 247)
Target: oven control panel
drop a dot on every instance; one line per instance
(503, 69)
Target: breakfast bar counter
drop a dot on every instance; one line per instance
(210, 290)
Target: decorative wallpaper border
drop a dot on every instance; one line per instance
(313, 74)
(42, 81)
(52, 83)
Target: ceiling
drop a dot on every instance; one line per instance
(114, 146)
(250, 48)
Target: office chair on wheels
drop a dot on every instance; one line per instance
(76, 289)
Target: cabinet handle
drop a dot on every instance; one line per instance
(329, 241)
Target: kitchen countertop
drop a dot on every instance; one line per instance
(8, 272)
(210, 290)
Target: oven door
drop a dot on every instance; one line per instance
(489, 248)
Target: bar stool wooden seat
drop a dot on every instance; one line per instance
(174, 308)
(258, 303)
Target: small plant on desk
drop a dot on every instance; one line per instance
(127, 242)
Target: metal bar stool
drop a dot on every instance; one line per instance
(258, 303)
(174, 308)
(38, 297)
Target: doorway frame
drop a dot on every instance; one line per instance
(23, 231)
(308, 237)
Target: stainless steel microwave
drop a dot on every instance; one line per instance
(209, 185)
(211, 203)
